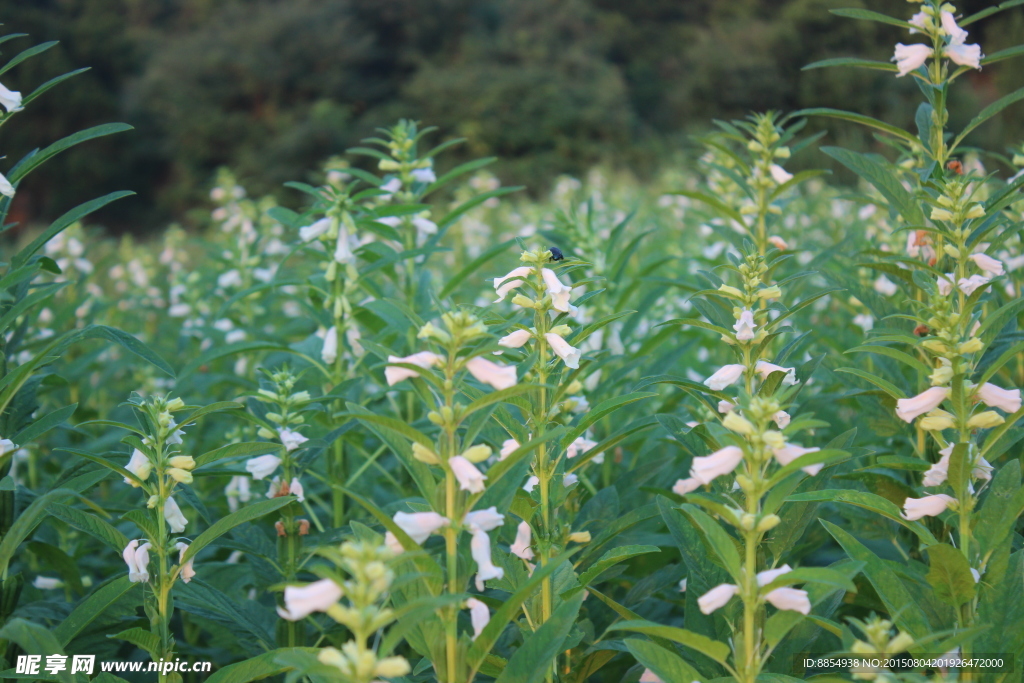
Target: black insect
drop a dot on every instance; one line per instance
(556, 254)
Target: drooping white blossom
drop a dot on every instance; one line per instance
(262, 466)
(173, 515)
(558, 291)
(492, 374)
(725, 376)
(521, 547)
(909, 58)
(744, 327)
(301, 601)
(929, 506)
(187, 570)
(1007, 400)
(424, 359)
(329, 352)
(291, 439)
(10, 99)
(717, 597)
(514, 279)
(723, 461)
(564, 350)
(469, 477)
(515, 340)
(479, 616)
(907, 409)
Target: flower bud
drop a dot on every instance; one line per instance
(184, 462)
(951, 250)
(767, 293)
(730, 291)
(748, 521)
(179, 475)
(524, 301)
(985, 420)
(477, 453)
(972, 345)
(936, 421)
(424, 454)
(935, 346)
(773, 439)
(580, 537)
(392, 667)
(152, 502)
(435, 417)
(736, 423)
(175, 404)
(768, 522)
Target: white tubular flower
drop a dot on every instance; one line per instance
(301, 601)
(424, 359)
(47, 583)
(559, 292)
(8, 446)
(791, 452)
(910, 57)
(329, 352)
(139, 465)
(769, 575)
(725, 376)
(418, 525)
(964, 55)
(744, 327)
(581, 445)
(789, 598)
(492, 374)
(137, 559)
(483, 520)
(937, 473)
(968, 285)
(424, 226)
(717, 597)
(479, 615)
(779, 174)
(480, 549)
(991, 266)
(907, 409)
(187, 571)
(945, 284)
(311, 232)
(514, 279)
(649, 676)
(957, 35)
(531, 482)
(764, 368)
(390, 188)
(722, 461)
(568, 353)
(291, 439)
(343, 248)
(515, 339)
(996, 397)
(781, 419)
(262, 466)
(6, 188)
(295, 488)
(10, 99)
(172, 514)
(919, 22)
(469, 477)
(508, 447)
(570, 479)
(424, 175)
(274, 488)
(684, 486)
(521, 548)
(237, 491)
(929, 506)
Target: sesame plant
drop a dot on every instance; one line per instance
(399, 422)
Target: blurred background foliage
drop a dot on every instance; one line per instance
(270, 88)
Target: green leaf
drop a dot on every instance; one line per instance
(717, 538)
(257, 668)
(50, 84)
(819, 575)
(904, 609)
(868, 15)
(868, 501)
(472, 267)
(234, 450)
(949, 574)
(881, 177)
(26, 522)
(44, 424)
(63, 144)
(852, 61)
(858, 118)
(220, 351)
(602, 409)
(666, 665)
(612, 558)
(141, 638)
(91, 524)
(26, 54)
(987, 113)
(531, 662)
(721, 207)
(92, 607)
(1008, 53)
(35, 639)
(989, 11)
(106, 463)
(882, 384)
(126, 341)
(706, 646)
(895, 354)
(226, 524)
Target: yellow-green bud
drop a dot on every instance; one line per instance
(729, 290)
(175, 404)
(184, 462)
(477, 453)
(738, 424)
(936, 421)
(424, 454)
(392, 667)
(748, 521)
(768, 293)
(768, 522)
(972, 345)
(951, 250)
(986, 420)
(179, 475)
(580, 537)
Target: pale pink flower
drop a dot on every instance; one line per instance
(781, 419)
(684, 486)
(140, 466)
(173, 516)
(521, 547)
(480, 549)
(790, 599)
(508, 447)
(580, 445)
(964, 55)
(957, 35)
(717, 597)
(764, 368)
(497, 376)
(725, 376)
(946, 284)
(769, 575)
(968, 285)
(483, 520)
(187, 572)
(744, 327)
(909, 58)
(929, 506)
(301, 601)
(649, 676)
(295, 488)
(991, 266)
(909, 408)
(469, 477)
(779, 174)
(479, 615)
(996, 397)
(791, 452)
(515, 278)
(722, 461)
(559, 292)
(424, 359)
(564, 350)
(291, 439)
(515, 339)
(417, 525)
(262, 466)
